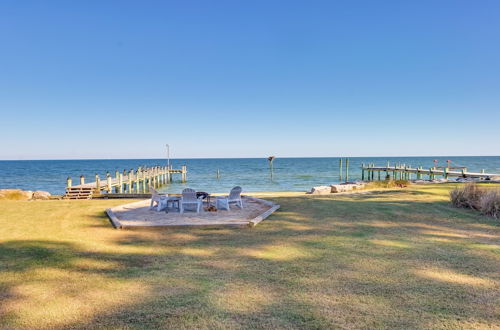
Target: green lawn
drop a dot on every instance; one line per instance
(390, 259)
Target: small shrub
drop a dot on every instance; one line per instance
(466, 196)
(489, 203)
(12, 195)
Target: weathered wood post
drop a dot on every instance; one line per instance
(378, 175)
(152, 182)
(97, 184)
(137, 181)
(184, 173)
(130, 190)
(340, 169)
(143, 174)
(117, 174)
(463, 173)
(431, 175)
(69, 182)
(346, 169)
(158, 176)
(120, 183)
(82, 179)
(445, 172)
(108, 183)
(363, 172)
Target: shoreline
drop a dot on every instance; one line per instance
(26, 195)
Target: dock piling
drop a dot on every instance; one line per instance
(346, 169)
(184, 173)
(340, 169)
(109, 188)
(120, 183)
(97, 184)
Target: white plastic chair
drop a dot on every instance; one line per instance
(189, 199)
(159, 199)
(234, 197)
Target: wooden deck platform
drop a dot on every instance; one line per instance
(138, 215)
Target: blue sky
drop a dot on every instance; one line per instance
(119, 79)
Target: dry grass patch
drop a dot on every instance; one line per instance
(481, 198)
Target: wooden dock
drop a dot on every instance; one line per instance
(406, 172)
(132, 181)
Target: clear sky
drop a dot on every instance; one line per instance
(119, 79)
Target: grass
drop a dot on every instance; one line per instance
(400, 258)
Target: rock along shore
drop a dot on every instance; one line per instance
(19, 194)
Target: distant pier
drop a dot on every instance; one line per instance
(406, 172)
(130, 182)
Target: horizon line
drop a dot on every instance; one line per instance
(264, 157)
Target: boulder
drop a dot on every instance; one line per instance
(39, 194)
(359, 185)
(336, 188)
(27, 194)
(321, 190)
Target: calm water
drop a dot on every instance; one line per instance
(290, 174)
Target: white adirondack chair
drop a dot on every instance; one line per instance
(234, 197)
(159, 199)
(189, 199)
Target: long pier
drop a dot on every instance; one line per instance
(132, 181)
(406, 172)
